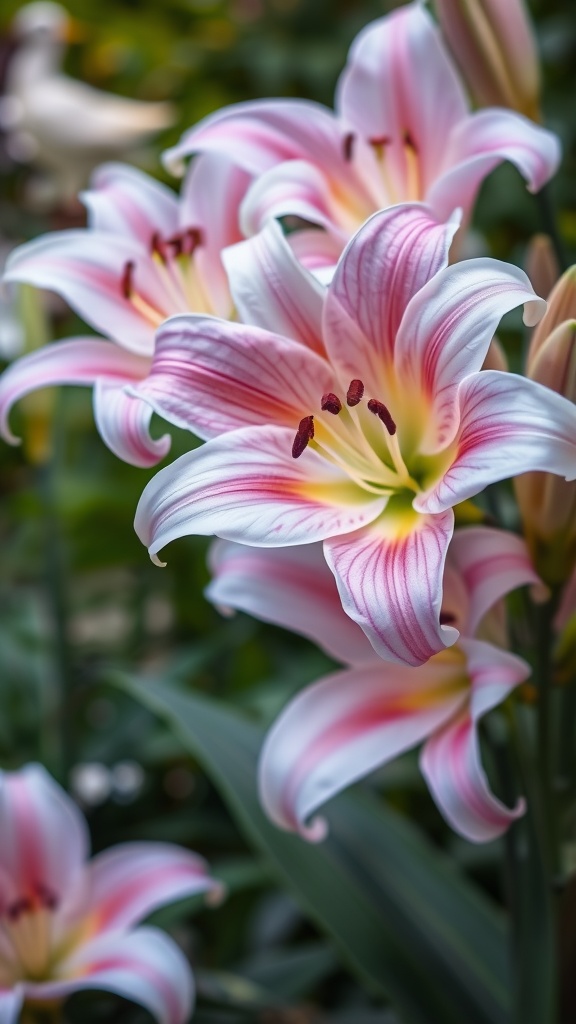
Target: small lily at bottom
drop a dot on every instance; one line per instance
(345, 725)
(66, 924)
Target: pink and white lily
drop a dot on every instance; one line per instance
(363, 427)
(344, 726)
(68, 924)
(402, 131)
(146, 255)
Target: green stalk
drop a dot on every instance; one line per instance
(533, 930)
(56, 589)
(547, 738)
(548, 220)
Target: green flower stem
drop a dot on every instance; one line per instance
(55, 576)
(548, 220)
(548, 726)
(530, 899)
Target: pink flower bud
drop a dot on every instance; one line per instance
(548, 503)
(494, 46)
(541, 264)
(561, 308)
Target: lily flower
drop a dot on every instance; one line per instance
(402, 131)
(145, 255)
(364, 426)
(345, 725)
(66, 924)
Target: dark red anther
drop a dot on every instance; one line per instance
(20, 906)
(355, 392)
(380, 141)
(331, 403)
(157, 246)
(191, 239)
(447, 619)
(408, 140)
(46, 896)
(381, 411)
(304, 434)
(126, 282)
(348, 145)
(176, 243)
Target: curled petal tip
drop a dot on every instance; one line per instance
(449, 634)
(534, 310)
(154, 558)
(315, 832)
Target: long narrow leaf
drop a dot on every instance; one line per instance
(401, 915)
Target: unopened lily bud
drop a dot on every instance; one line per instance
(495, 357)
(541, 264)
(547, 502)
(494, 46)
(561, 309)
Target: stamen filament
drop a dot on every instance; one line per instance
(380, 146)
(413, 183)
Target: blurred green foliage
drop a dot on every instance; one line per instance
(79, 599)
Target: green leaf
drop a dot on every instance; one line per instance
(401, 915)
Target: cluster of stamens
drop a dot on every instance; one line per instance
(332, 404)
(26, 922)
(380, 144)
(165, 249)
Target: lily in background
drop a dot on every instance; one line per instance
(66, 924)
(344, 726)
(360, 427)
(145, 255)
(402, 131)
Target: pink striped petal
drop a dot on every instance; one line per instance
(480, 143)
(346, 725)
(491, 564)
(389, 577)
(400, 82)
(246, 486)
(272, 290)
(364, 308)
(494, 674)
(44, 836)
(212, 376)
(76, 361)
(297, 188)
(263, 133)
(124, 201)
(508, 425)
(87, 269)
(210, 202)
(446, 332)
(316, 250)
(144, 966)
(10, 1005)
(450, 761)
(123, 423)
(291, 587)
(128, 882)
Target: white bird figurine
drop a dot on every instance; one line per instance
(56, 123)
